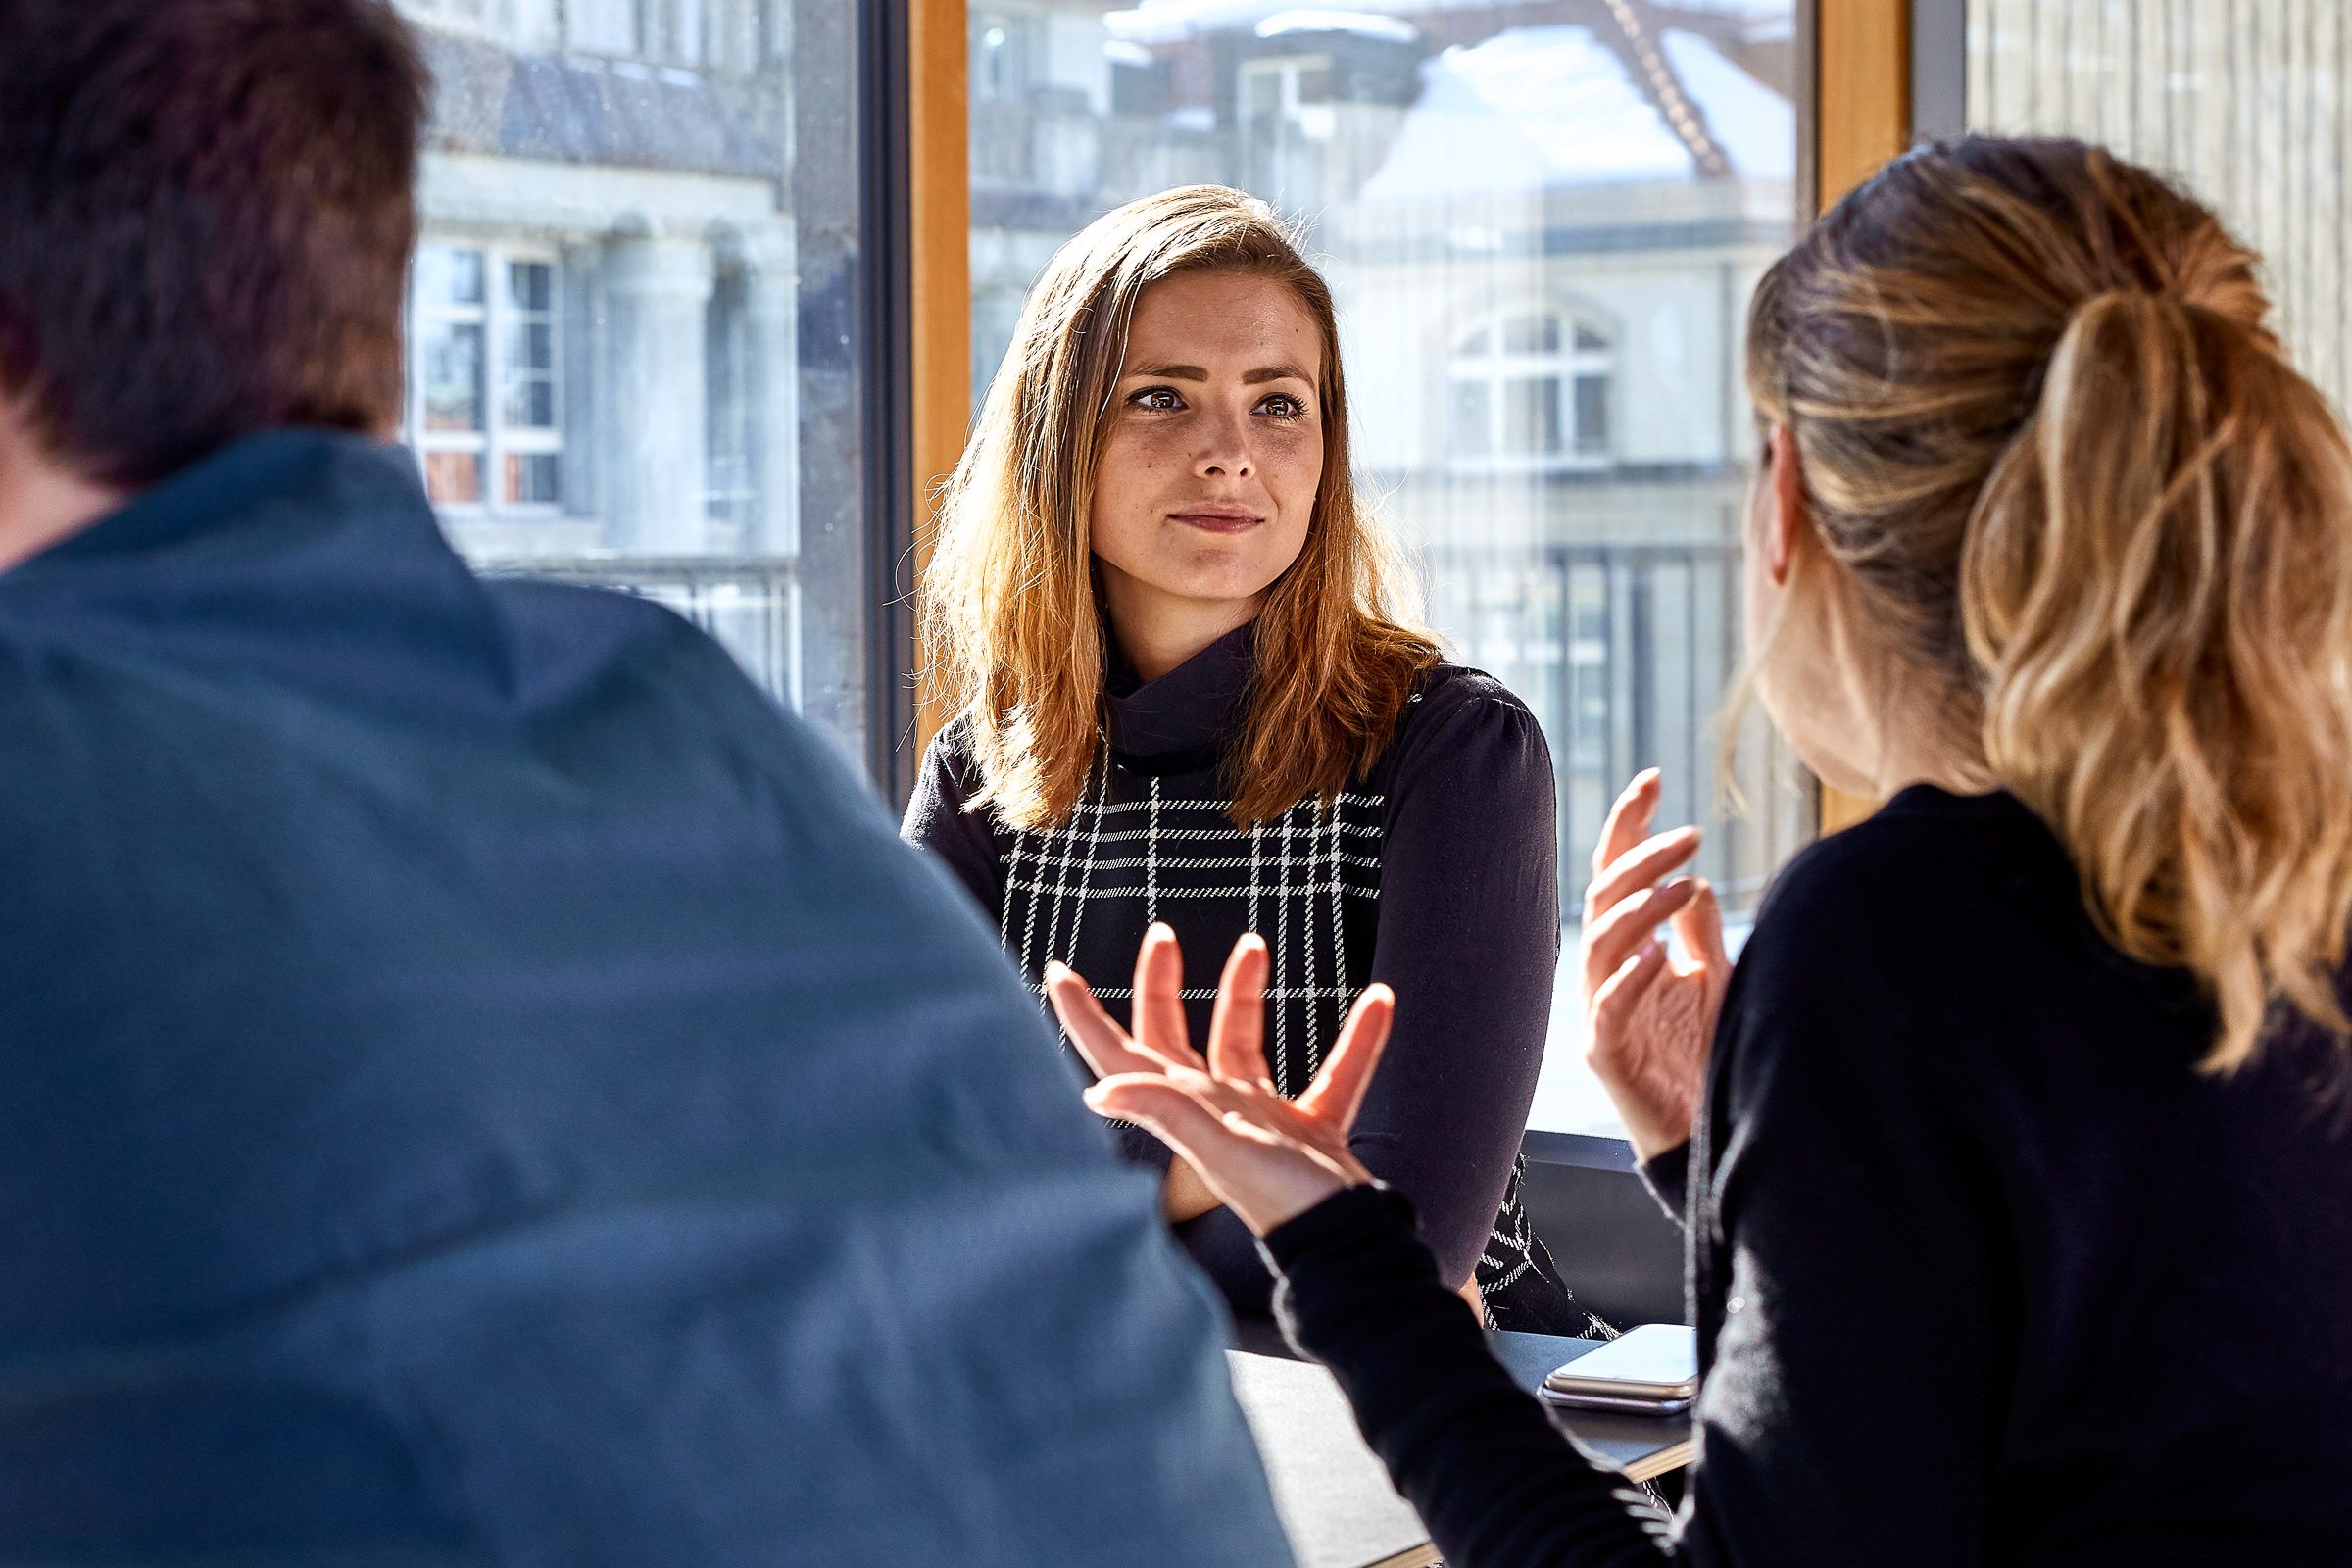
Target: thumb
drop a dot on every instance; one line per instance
(1169, 1114)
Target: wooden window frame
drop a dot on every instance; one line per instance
(940, 268)
(1862, 96)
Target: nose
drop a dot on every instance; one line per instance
(1224, 451)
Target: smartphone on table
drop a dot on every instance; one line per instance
(1650, 1370)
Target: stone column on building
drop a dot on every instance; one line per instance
(772, 307)
(835, 575)
(654, 441)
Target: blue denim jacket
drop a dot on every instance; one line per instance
(479, 1085)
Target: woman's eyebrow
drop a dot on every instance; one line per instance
(1193, 373)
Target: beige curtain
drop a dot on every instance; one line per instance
(2248, 101)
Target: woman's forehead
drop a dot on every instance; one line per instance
(1222, 324)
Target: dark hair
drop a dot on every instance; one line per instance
(206, 209)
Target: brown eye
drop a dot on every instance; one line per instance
(1157, 399)
(1284, 407)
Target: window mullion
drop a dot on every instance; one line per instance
(494, 375)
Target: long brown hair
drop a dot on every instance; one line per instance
(1012, 622)
(2064, 463)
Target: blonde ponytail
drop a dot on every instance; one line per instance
(2125, 534)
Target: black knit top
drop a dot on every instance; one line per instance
(1986, 1271)
(1435, 873)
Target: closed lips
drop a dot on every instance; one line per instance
(1217, 519)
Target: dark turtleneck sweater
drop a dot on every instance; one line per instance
(1435, 872)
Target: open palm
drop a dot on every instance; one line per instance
(1265, 1157)
(1649, 1018)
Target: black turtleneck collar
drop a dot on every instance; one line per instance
(1179, 720)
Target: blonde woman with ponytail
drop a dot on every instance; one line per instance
(2019, 1192)
(1189, 704)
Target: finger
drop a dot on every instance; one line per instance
(1158, 1010)
(1176, 1116)
(1699, 924)
(1101, 1042)
(1236, 1028)
(1645, 864)
(1614, 1002)
(1337, 1092)
(1262, 1175)
(1611, 939)
(1628, 819)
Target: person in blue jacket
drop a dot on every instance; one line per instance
(480, 1085)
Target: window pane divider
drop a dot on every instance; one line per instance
(939, 209)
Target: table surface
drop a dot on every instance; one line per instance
(1333, 1496)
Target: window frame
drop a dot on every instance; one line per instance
(936, 77)
(1290, 71)
(494, 440)
(1496, 368)
(1292, 110)
(1863, 62)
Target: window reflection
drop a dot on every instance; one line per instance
(608, 379)
(1531, 394)
(1542, 220)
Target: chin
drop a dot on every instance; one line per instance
(1205, 571)
(1221, 581)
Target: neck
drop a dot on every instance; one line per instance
(1157, 633)
(42, 503)
(1924, 737)
(1879, 721)
(1899, 768)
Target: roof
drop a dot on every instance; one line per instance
(567, 108)
(1543, 106)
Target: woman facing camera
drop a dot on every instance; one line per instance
(2020, 1198)
(1185, 697)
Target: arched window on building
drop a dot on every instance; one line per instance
(1530, 392)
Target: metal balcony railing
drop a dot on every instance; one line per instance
(749, 604)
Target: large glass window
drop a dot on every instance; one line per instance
(636, 318)
(1543, 219)
(2248, 101)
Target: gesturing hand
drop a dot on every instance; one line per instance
(1649, 1020)
(1267, 1159)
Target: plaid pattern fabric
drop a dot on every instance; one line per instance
(1308, 882)
(1135, 850)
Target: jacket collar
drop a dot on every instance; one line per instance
(312, 553)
